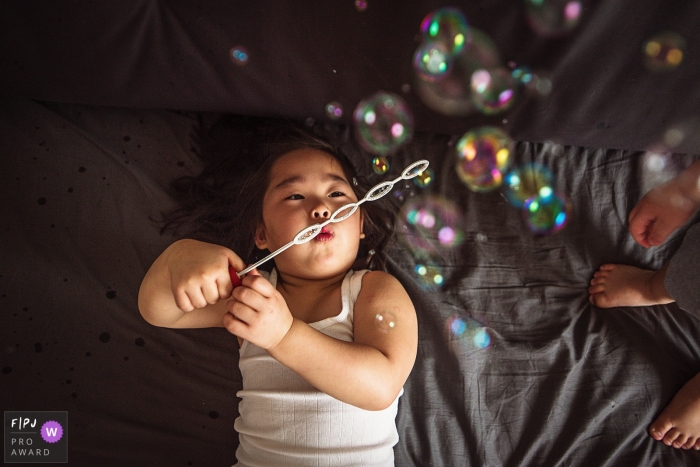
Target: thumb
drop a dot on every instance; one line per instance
(254, 272)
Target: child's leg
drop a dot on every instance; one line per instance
(616, 285)
(678, 425)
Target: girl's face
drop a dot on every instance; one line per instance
(306, 187)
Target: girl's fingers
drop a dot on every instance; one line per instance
(241, 311)
(210, 292)
(182, 300)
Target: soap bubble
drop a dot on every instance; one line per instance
(523, 75)
(360, 5)
(547, 212)
(385, 321)
(483, 154)
(553, 18)
(467, 331)
(425, 178)
(664, 51)
(446, 26)
(383, 122)
(493, 91)
(429, 276)
(334, 110)
(452, 94)
(380, 165)
(432, 61)
(239, 55)
(429, 224)
(525, 181)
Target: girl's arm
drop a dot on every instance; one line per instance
(186, 285)
(369, 372)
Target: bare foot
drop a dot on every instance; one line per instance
(616, 285)
(679, 423)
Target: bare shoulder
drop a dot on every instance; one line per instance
(383, 295)
(374, 281)
(382, 292)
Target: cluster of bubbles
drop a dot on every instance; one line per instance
(383, 123)
(468, 332)
(458, 68)
(553, 18)
(529, 188)
(664, 51)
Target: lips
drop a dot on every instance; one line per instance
(325, 235)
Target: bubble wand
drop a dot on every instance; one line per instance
(340, 214)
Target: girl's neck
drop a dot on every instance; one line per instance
(292, 284)
(311, 300)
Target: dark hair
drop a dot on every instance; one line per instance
(223, 203)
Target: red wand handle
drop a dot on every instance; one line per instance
(234, 277)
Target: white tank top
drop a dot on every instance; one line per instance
(285, 421)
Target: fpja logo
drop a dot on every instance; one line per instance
(36, 437)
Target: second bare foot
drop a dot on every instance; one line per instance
(615, 285)
(678, 425)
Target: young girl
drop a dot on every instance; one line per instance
(321, 380)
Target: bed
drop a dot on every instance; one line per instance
(99, 110)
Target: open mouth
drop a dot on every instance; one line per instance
(325, 235)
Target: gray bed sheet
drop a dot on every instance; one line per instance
(562, 383)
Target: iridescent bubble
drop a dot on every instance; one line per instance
(447, 26)
(664, 51)
(494, 91)
(334, 110)
(429, 225)
(425, 178)
(429, 275)
(360, 5)
(482, 338)
(452, 94)
(380, 165)
(467, 331)
(383, 123)
(456, 326)
(522, 75)
(385, 321)
(239, 55)
(432, 61)
(553, 18)
(547, 212)
(483, 154)
(526, 181)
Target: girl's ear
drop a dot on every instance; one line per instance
(362, 224)
(260, 237)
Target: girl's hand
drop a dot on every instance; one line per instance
(258, 313)
(199, 273)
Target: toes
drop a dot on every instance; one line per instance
(659, 428)
(690, 442)
(671, 436)
(680, 441)
(606, 267)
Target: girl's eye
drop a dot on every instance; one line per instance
(295, 196)
(335, 194)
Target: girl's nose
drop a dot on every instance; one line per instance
(321, 212)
